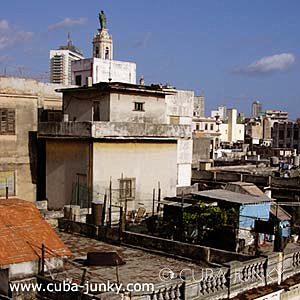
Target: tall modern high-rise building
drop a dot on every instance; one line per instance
(60, 62)
(256, 109)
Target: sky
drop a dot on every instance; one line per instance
(232, 52)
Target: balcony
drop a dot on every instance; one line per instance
(114, 130)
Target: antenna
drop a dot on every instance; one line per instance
(69, 42)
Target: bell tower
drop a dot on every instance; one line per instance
(102, 42)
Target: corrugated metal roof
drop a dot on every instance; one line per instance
(245, 188)
(229, 196)
(280, 213)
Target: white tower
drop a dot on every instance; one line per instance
(102, 42)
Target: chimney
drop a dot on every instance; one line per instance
(142, 80)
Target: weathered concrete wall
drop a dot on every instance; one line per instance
(143, 130)
(184, 162)
(79, 106)
(181, 105)
(201, 149)
(117, 71)
(194, 252)
(25, 96)
(122, 108)
(113, 129)
(65, 159)
(147, 162)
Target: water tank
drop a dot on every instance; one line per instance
(97, 210)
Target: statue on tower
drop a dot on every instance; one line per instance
(102, 20)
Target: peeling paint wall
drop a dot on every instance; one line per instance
(147, 162)
(79, 105)
(122, 108)
(181, 105)
(65, 159)
(25, 96)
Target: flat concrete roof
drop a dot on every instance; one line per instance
(123, 87)
(140, 266)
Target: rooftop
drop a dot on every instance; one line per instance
(244, 188)
(122, 130)
(123, 87)
(233, 197)
(23, 231)
(140, 266)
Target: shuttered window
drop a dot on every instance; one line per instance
(7, 121)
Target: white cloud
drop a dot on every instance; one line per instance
(4, 25)
(268, 64)
(68, 22)
(13, 38)
(11, 35)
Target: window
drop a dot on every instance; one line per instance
(139, 106)
(78, 80)
(7, 179)
(127, 188)
(296, 135)
(281, 134)
(206, 126)
(106, 53)
(97, 52)
(96, 111)
(211, 126)
(54, 116)
(197, 126)
(7, 121)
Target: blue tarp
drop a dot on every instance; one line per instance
(248, 214)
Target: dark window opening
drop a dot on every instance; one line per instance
(78, 80)
(107, 53)
(211, 126)
(296, 135)
(96, 111)
(138, 106)
(4, 282)
(206, 126)
(127, 188)
(197, 127)
(281, 134)
(7, 121)
(97, 52)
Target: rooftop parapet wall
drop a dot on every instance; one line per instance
(116, 129)
(65, 129)
(113, 130)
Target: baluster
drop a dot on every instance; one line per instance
(178, 294)
(161, 297)
(172, 293)
(167, 297)
(154, 297)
